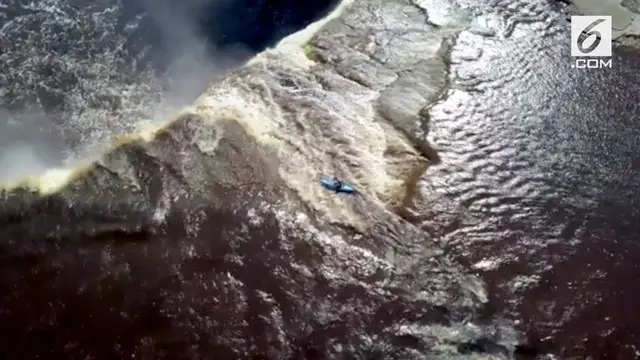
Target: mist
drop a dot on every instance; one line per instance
(29, 145)
(189, 60)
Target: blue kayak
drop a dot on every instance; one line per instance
(330, 184)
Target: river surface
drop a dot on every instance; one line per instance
(542, 162)
(536, 188)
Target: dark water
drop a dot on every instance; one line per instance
(543, 162)
(222, 276)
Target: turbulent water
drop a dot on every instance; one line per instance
(214, 241)
(74, 75)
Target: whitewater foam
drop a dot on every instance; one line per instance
(49, 182)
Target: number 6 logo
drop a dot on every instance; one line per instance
(588, 32)
(594, 31)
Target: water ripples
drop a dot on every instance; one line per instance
(540, 158)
